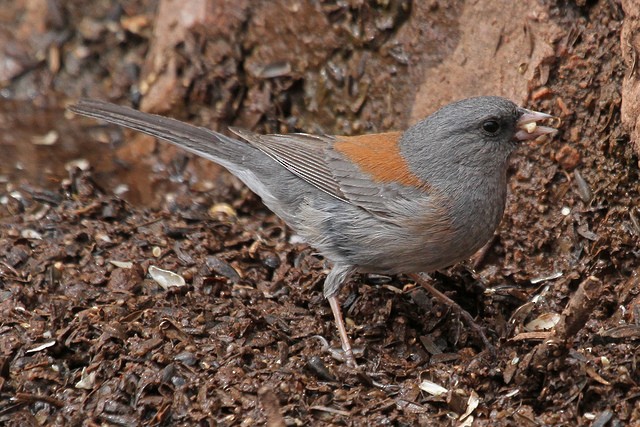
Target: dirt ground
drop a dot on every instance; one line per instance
(88, 213)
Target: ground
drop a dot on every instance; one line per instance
(89, 337)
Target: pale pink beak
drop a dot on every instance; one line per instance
(528, 128)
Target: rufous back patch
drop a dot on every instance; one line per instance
(379, 156)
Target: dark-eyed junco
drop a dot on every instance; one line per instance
(396, 202)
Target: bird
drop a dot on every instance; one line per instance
(407, 201)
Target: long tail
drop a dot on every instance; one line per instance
(203, 142)
(280, 190)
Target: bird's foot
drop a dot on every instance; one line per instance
(455, 307)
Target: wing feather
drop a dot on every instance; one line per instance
(302, 154)
(362, 181)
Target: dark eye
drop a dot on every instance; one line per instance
(491, 126)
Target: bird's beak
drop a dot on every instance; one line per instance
(528, 128)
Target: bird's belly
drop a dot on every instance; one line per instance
(352, 236)
(418, 252)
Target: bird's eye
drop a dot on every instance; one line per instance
(491, 126)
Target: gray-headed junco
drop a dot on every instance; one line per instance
(396, 202)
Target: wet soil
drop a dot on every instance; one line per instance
(89, 335)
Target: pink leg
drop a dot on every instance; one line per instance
(464, 314)
(346, 343)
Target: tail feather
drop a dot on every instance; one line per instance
(280, 190)
(203, 142)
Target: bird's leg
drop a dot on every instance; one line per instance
(464, 314)
(344, 338)
(338, 275)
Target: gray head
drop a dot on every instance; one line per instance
(472, 135)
